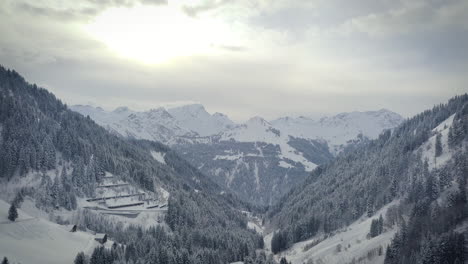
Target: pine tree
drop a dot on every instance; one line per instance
(380, 225)
(55, 191)
(283, 260)
(5, 260)
(370, 207)
(374, 228)
(438, 145)
(451, 137)
(18, 200)
(12, 213)
(80, 258)
(394, 187)
(431, 187)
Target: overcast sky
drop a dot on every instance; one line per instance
(242, 58)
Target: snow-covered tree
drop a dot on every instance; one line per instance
(438, 145)
(12, 213)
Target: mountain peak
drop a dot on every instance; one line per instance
(218, 114)
(257, 120)
(159, 109)
(190, 108)
(196, 118)
(121, 109)
(159, 112)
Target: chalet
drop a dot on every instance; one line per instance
(101, 238)
(73, 228)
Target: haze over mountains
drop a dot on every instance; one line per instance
(260, 160)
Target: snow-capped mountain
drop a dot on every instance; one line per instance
(338, 130)
(258, 159)
(159, 124)
(258, 129)
(194, 117)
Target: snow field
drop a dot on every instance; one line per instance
(36, 240)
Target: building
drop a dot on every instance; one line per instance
(101, 238)
(73, 228)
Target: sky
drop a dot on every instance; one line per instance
(243, 58)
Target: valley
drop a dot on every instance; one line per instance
(258, 160)
(229, 193)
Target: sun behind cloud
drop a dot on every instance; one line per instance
(157, 34)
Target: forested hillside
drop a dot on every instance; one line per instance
(39, 134)
(423, 163)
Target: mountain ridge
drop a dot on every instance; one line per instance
(186, 115)
(286, 150)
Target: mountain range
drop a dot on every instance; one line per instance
(259, 160)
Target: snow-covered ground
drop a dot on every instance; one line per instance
(258, 129)
(255, 226)
(36, 240)
(352, 240)
(158, 156)
(428, 148)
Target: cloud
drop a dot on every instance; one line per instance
(411, 18)
(285, 57)
(233, 48)
(81, 10)
(203, 6)
(59, 14)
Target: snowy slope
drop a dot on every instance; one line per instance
(338, 130)
(428, 148)
(36, 240)
(258, 129)
(353, 240)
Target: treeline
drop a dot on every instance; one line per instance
(282, 240)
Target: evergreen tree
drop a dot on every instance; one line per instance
(438, 145)
(431, 187)
(283, 260)
(80, 258)
(381, 222)
(12, 213)
(18, 200)
(374, 228)
(370, 207)
(5, 260)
